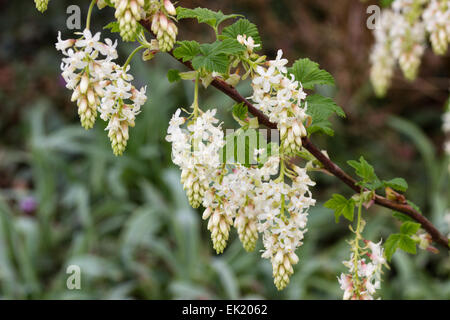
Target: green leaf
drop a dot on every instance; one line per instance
(203, 15)
(402, 217)
(227, 46)
(409, 227)
(212, 62)
(241, 27)
(397, 240)
(407, 244)
(113, 27)
(364, 170)
(386, 3)
(391, 245)
(214, 56)
(320, 109)
(240, 111)
(309, 73)
(187, 50)
(173, 75)
(341, 206)
(398, 184)
(109, 3)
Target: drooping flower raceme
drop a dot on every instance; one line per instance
(382, 60)
(282, 99)
(283, 216)
(400, 37)
(84, 71)
(408, 44)
(437, 22)
(364, 272)
(195, 150)
(244, 196)
(100, 84)
(119, 106)
(233, 197)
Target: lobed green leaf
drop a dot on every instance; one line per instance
(309, 73)
(320, 109)
(409, 227)
(398, 184)
(341, 206)
(203, 15)
(242, 27)
(365, 171)
(187, 50)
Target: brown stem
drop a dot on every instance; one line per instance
(326, 162)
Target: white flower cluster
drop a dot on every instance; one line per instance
(258, 204)
(244, 196)
(248, 42)
(407, 44)
(100, 84)
(119, 106)
(364, 277)
(400, 37)
(282, 220)
(282, 99)
(233, 196)
(41, 5)
(196, 151)
(437, 22)
(382, 60)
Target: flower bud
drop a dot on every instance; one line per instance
(170, 7)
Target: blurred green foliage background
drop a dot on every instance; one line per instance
(65, 199)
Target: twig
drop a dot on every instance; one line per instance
(326, 162)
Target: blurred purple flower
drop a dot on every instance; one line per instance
(28, 204)
(61, 81)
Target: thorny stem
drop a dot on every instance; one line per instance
(88, 20)
(329, 165)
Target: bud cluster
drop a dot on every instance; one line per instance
(41, 5)
(163, 27)
(128, 14)
(220, 215)
(246, 224)
(282, 99)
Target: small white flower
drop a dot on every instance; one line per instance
(279, 62)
